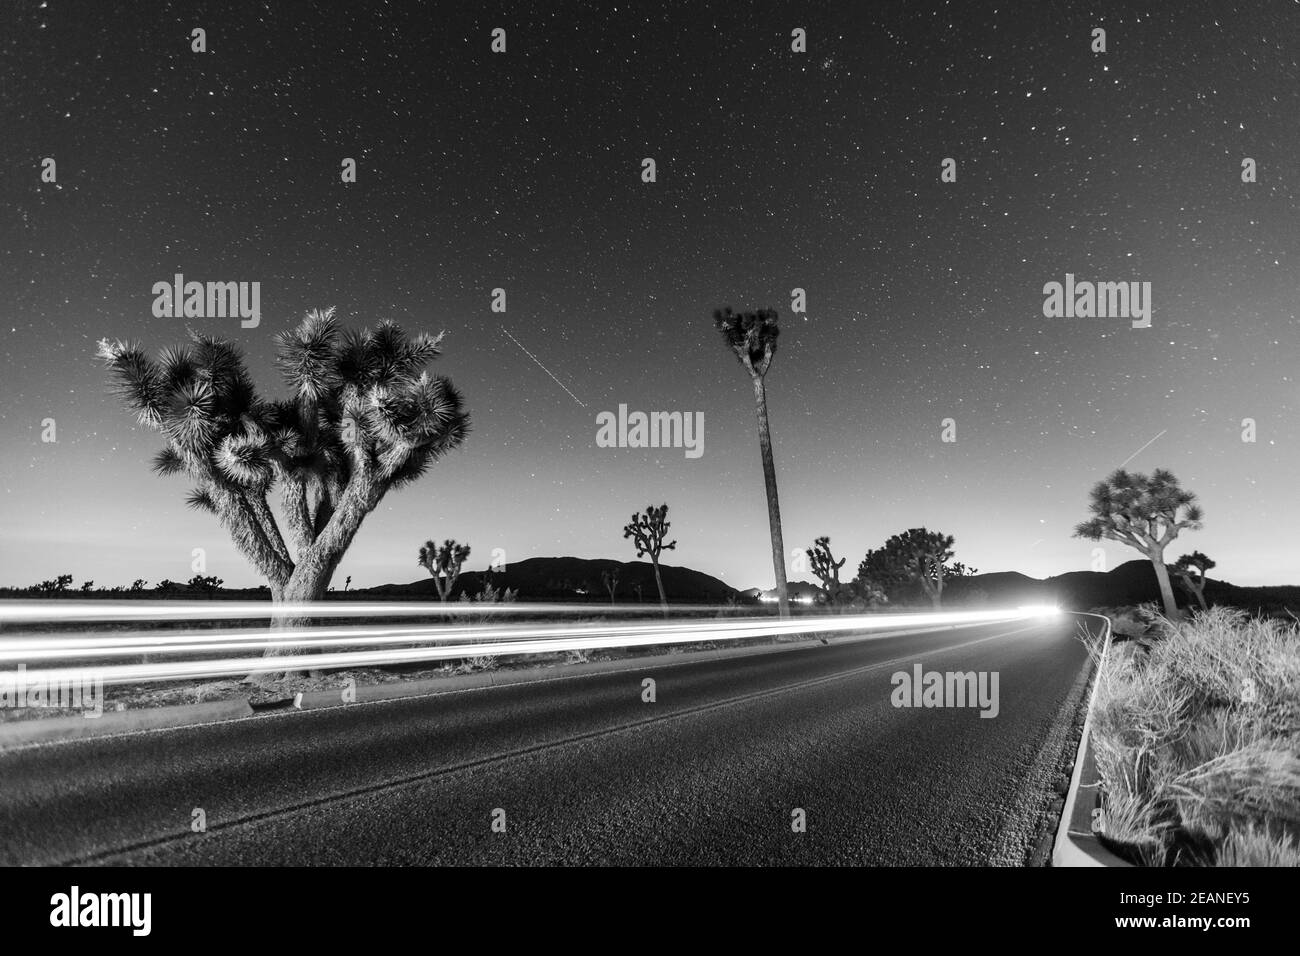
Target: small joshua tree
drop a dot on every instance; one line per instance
(1146, 513)
(1191, 569)
(752, 336)
(443, 562)
(647, 532)
(348, 583)
(826, 568)
(362, 418)
(609, 578)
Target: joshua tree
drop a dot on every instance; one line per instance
(824, 565)
(609, 578)
(916, 555)
(138, 584)
(348, 583)
(87, 586)
(647, 532)
(752, 337)
(210, 584)
(443, 562)
(1146, 513)
(1191, 569)
(362, 418)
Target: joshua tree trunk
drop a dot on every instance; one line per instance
(1198, 588)
(1162, 578)
(299, 590)
(933, 587)
(773, 504)
(310, 578)
(663, 600)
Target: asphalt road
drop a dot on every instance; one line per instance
(587, 772)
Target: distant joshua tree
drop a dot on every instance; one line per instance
(443, 562)
(138, 585)
(647, 532)
(752, 337)
(362, 418)
(916, 555)
(209, 584)
(348, 583)
(87, 586)
(827, 569)
(1146, 513)
(1191, 569)
(609, 578)
(53, 587)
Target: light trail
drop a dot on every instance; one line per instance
(431, 644)
(51, 611)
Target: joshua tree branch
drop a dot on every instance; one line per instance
(266, 522)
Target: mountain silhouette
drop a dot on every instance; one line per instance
(578, 579)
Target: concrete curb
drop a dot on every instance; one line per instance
(41, 730)
(1076, 844)
(57, 729)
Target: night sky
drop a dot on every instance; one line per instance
(776, 170)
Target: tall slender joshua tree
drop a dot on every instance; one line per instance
(363, 418)
(752, 337)
(1146, 513)
(647, 532)
(443, 562)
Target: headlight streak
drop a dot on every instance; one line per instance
(31, 612)
(432, 643)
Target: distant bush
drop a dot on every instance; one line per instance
(488, 595)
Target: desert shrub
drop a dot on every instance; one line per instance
(488, 595)
(1196, 734)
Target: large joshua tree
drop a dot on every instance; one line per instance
(752, 337)
(363, 417)
(916, 555)
(647, 532)
(1146, 513)
(443, 562)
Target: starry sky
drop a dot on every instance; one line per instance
(775, 170)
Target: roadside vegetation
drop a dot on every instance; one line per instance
(1196, 734)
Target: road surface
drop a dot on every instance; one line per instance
(585, 771)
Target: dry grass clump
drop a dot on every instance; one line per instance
(1197, 742)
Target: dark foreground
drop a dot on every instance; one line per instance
(586, 772)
